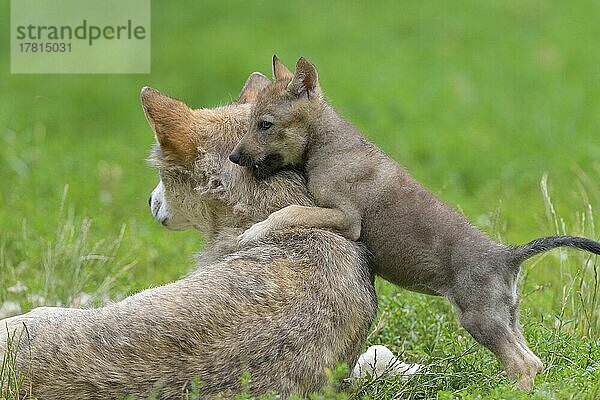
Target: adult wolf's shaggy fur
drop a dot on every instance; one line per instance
(418, 242)
(285, 309)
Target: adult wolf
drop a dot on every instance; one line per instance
(284, 309)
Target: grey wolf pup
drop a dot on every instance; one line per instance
(418, 242)
(284, 310)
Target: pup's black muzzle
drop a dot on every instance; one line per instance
(234, 157)
(262, 167)
(241, 159)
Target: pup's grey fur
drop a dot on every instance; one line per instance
(418, 242)
(285, 309)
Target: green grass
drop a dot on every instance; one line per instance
(478, 99)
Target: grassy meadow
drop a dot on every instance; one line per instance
(493, 105)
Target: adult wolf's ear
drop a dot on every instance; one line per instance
(254, 84)
(280, 71)
(305, 79)
(172, 122)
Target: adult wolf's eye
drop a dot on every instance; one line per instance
(264, 125)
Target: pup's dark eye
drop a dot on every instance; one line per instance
(264, 125)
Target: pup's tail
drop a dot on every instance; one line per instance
(522, 253)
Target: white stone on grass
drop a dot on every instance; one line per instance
(379, 360)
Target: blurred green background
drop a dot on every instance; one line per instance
(478, 99)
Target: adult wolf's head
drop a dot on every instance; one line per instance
(281, 120)
(199, 187)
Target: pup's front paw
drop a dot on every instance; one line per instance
(254, 233)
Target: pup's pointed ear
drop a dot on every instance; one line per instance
(172, 122)
(254, 84)
(305, 79)
(280, 71)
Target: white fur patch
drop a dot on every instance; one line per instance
(379, 360)
(163, 213)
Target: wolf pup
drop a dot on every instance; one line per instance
(280, 310)
(418, 242)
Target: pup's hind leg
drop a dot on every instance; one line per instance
(486, 315)
(523, 343)
(513, 308)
